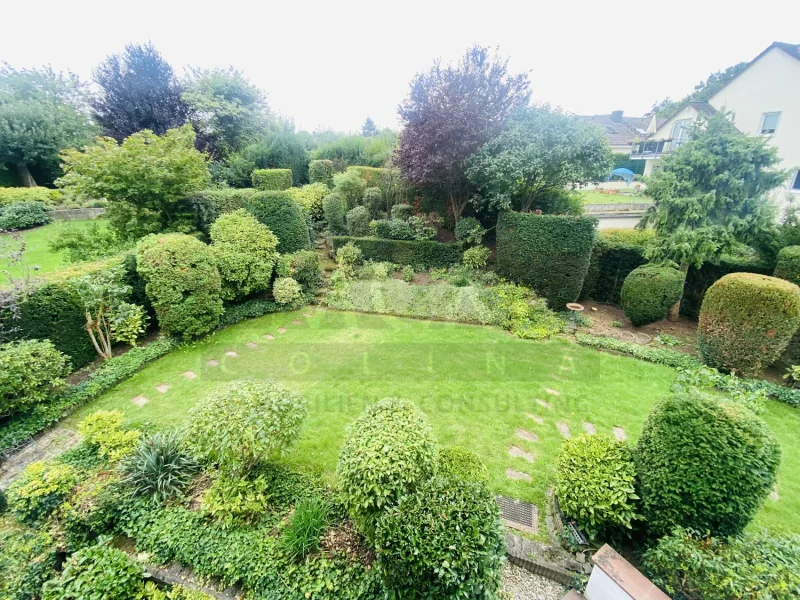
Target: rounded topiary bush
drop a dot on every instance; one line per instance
(595, 480)
(746, 321)
(469, 231)
(30, 372)
(387, 452)
(97, 572)
(374, 202)
(335, 207)
(402, 211)
(310, 197)
(321, 171)
(788, 265)
(286, 290)
(704, 465)
(272, 179)
(463, 465)
(443, 541)
(649, 291)
(284, 217)
(358, 222)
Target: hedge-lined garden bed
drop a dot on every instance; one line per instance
(425, 253)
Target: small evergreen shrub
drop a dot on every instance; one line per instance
(159, 467)
(408, 273)
(237, 498)
(392, 229)
(103, 429)
(649, 291)
(402, 212)
(462, 465)
(301, 536)
(30, 372)
(272, 179)
(469, 231)
(304, 267)
(358, 222)
(476, 257)
(321, 171)
(595, 480)
(23, 215)
(388, 451)
(348, 257)
(788, 264)
(747, 321)
(374, 202)
(704, 465)
(350, 186)
(286, 291)
(335, 207)
(310, 197)
(284, 217)
(39, 490)
(443, 541)
(425, 253)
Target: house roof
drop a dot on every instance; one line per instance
(792, 50)
(619, 133)
(702, 108)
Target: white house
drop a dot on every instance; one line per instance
(764, 99)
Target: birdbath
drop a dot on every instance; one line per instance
(574, 309)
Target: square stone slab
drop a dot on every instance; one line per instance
(620, 434)
(515, 452)
(231, 353)
(213, 363)
(190, 375)
(281, 329)
(140, 400)
(252, 345)
(163, 387)
(269, 337)
(517, 475)
(296, 322)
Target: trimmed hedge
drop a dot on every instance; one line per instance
(747, 321)
(649, 291)
(208, 205)
(616, 252)
(372, 176)
(13, 195)
(272, 179)
(334, 207)
(659, 356)
(788, 265)
(321, 171)
(358, 221)
(404, 252)
(284, 217)
(549, 253)
(699, 281)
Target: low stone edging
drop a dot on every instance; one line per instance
(74, 214)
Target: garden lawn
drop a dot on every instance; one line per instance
(478, 386)
(622, 197)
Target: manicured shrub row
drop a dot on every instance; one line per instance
(549, 253)
(616, 252)
(788, 265)
(23, 215)
(249, 309)
(649, 291)
(746, 321)
(660, 356)
(404, 252)
(272, 179)
(321, 171)
(13, 195)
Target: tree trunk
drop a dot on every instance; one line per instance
(675, 309)
(25, 175)
(458, 208)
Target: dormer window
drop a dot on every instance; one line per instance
(769, 123)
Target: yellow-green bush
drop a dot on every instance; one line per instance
(13, 195)
(788, 265)
(30, 372)
(272, 179)
(39, 490)
(103, 429)
(310, 197)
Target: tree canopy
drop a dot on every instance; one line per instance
(702, 91)
(369, 129)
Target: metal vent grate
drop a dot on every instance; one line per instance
(519, 515)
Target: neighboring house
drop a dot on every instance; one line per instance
(764, 99)
(621, 132)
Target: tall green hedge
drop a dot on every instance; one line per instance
(284, 217)
(788, 265)
(272, 179)
(208, 205)
(321, 171)
(747, 321)
(616, 252)
(372, 176)
(549, 253)
(699, 280)
(404, 252)
(649, 291)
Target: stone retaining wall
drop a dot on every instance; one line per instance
(74, 214)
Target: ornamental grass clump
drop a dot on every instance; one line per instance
(159, 467)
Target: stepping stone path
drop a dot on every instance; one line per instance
(552, 392)
(232, 354)
(296, 322)
(538, 420)
(139, 400)
(213, 363)
(620, 434)
(163, 387)
(589, 428)
(190, 375)
(269, 337)
(517, 475)
(567, 357)
(252, 345)
(281, 330)
(543, 403)
(563, 429)
(527, 435)
(308, 315)
(515, 452)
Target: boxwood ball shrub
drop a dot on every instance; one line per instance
(358, 222)
(272, 179)
(335, 207)
(244, 422)
(321, 171)
(30, 372)
(39, 490)
(402, 211)
(245, 251)
(286, 290)
(23, 215)
(374, 202)
(182, 283)
(549, 253)
(704, 465)
(746, 321)
(284, 217)
(788, 264)
(595, 479)
(462, 465)
(649, 291)
(443, 541)
(469, 231)
(388, 451)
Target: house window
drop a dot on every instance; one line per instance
(680, 132)
(795, 187)
(769, 122)
(610, 129)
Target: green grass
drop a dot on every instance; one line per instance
(37, 253)
(621, 197)
(476, 385)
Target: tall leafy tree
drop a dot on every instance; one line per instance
(369, 129)
(41, 113)
(702, 91)
(138, 90)
(450, 112)
(711, 194)
(541, 151)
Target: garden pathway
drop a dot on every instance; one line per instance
(44, 447)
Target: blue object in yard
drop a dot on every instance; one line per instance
(626, 174)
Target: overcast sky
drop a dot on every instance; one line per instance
(333, 63)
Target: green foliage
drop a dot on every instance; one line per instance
(128, 323)
(39, 490)
(350, 186)
(747, 321)
(358, 150)
(704, 464)
(616, 252)
(301, 536)
(388, 451)
(245, 252)
(15, 195)
(182, 282)
(649, 291)
(752, 567)
(469, 231)
(462, 465)
(28, 558)
(372, 176)
(347, 258)
(104, 430)
(159, 467)
(702, 92)
(788, 264)
(595, 480)
(235, 499)
(522, 312)
(82, 244)
(249, 309)
(321, 171)
(374, 202)
(272, 179)
(476, 257)
(286, 291)
(145, 179)
(334, 206)
(546, 252)
(31, 371)
(358, 220)
(97, 573)
(208, 205)
(457, 554)
(23, 215)
(303, 266)
(659, 356)
(391, 229)
(310, 197)
(408, 273)
(792, 375)
(243, 422)
(402, 211)
(284, 217)
(83, 457)
(426, 253)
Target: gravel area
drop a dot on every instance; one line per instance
(519, 584)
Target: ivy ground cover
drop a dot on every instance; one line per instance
(481, 388)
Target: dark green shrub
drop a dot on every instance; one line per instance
(756, 566)
(358, 222)
(460, 464)
(23, 215)
(443, 541)
(549, 253)
(272, 179)
(208, 205)
(39, 490)
(595, 480)
(374, 202)
(30, 373)
(349, 186)
(391, 229)
(788, 265)
(402, 211)
(321, 171)
(616, 252)
(3, 502)
(159, 467)
(302, 535)
(704, 465)
(284, 217)
(249, 309)
(469, 231)
(335, 207)
(746, 321)
(426, 253)
(388, 451)
(304, 267)
(182, 283)
(649, 291)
